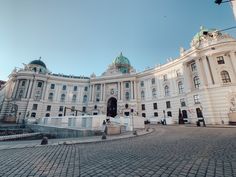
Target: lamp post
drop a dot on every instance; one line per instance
(132, 116)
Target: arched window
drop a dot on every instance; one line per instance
(85, 98)
(154, 93)
(50, 96)
(127, 95)
(63, 96)
(74, 98)
(196, 82)
(225, 77)
(167, 90)
(181, 87)
(142, 95)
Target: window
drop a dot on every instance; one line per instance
(127, 95)
(126, 113)
(85, 89)
(75, 88)
(199, 112)
(84, 109)
(61, 108)
(155, 114)
(167, 91)
(196, 82)
(35, 106)
(21, 93)
(143, 106)
(40, 84)
(225, 77)
(165, 77)
(154, 93)
(72, 108)
(97, 97)
(33, 114)
(37, 95)
(142, 95)
(49, 108)
(59, 115)
(193, 66)
(153, 81)
(154, 105)
(220, 60)
(196, 99)
(126, 106)
(63, 97)
(85, 98)
(74, 98)
(169, 114)
(178, 73)
(47, 115)
(168, 104)
(52, 86)
(143, 115)
(64, 87)
(50, 96)
(181, 87)
(185, 114)
(127, 85)
(182, 102)
(98, 87)
(142, 83)
(23, 83)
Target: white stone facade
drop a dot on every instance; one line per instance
(201, 82)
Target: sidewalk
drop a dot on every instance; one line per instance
(67, 141)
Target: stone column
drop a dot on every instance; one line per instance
(32, 88)
(104, 92)
(207, 71)
(28, 88)
(93, 93)
(90, 93)
(122, 95)
(135, 89)
(232, 57)
(200, 72)
(15, 88)
(118, 92)
(132, 89)
(45, 89)
(187, 80)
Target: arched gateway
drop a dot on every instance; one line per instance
(112, 107)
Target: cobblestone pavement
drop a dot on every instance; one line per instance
(169, 151)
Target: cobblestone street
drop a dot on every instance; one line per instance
(169, 151)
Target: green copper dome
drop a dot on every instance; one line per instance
(38, 62)
(202, 30)
(122, 63)
(121, 60)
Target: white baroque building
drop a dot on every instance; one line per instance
(201, 82)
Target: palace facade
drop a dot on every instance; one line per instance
(201, 82)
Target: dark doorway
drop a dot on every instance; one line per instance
(199, 112)
(112, 107)
(185, 114)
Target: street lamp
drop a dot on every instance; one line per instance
(221, 1)
(132, 116)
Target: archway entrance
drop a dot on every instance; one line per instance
(112, 107)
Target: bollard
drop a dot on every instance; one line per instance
(44, 140)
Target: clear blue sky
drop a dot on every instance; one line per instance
(80, 37)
